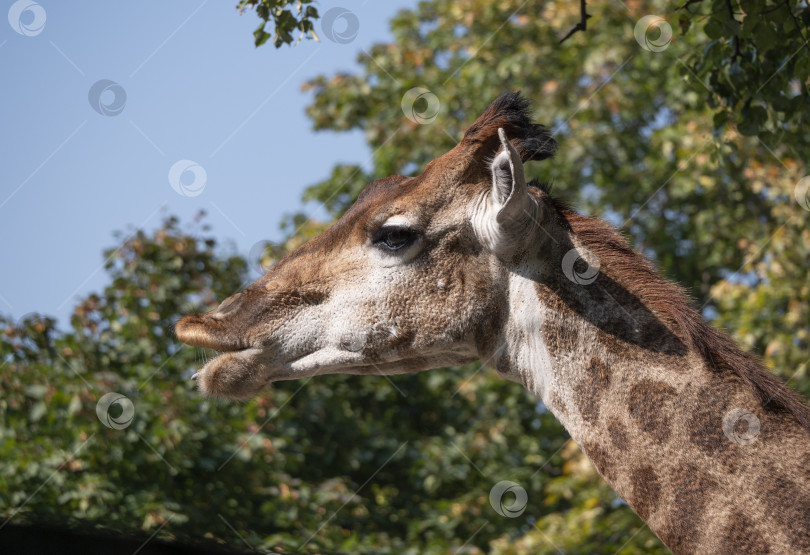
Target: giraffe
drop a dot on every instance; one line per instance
(467, 262)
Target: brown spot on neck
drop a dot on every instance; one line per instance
(793, 514)
(741, 535)
(559, 338)
(618, 433)
(588, 391)
(646, 491)
(691, 488)
(709, 407)
(649, 406)
(600, 459)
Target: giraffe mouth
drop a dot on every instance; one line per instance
(250, 354)
(242, 374)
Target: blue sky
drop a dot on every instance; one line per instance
(196, 89)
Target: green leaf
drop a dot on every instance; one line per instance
(713, 28)
(260, 36)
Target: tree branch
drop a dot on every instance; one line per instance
(734, 38)
(796, 23)
(730, 11)
(688, 3)
(583, 21)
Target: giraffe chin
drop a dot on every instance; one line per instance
(241, 375)
(236, 375)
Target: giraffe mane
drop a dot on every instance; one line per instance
(512, 113)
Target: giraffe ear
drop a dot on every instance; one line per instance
(509, 192)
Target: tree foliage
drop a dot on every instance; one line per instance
(406, 464)
(285, 17)
(755, 63)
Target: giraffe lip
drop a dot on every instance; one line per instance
(245, 353)
(221, 349)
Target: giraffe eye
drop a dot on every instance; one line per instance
(394, 238)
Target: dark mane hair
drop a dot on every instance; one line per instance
(671, 303)
(512, 112)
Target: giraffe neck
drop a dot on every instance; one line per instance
(690, 448)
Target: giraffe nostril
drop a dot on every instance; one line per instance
(228, 304)
(200, 330)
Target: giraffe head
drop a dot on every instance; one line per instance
(403, 282)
